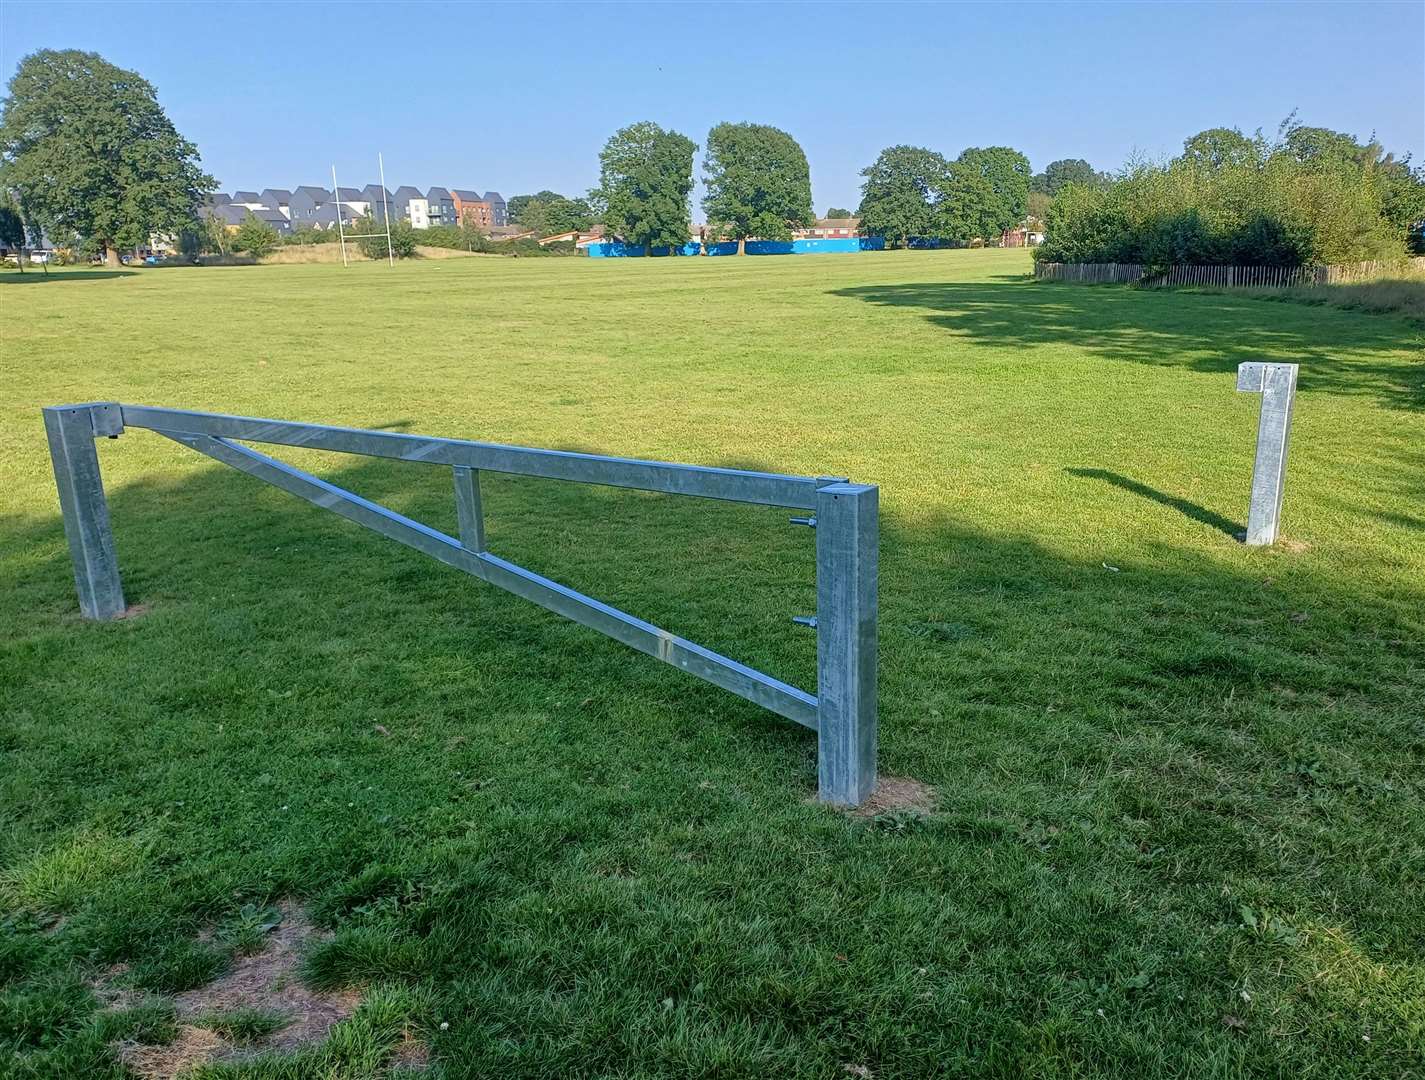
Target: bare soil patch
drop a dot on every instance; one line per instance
(898, 794)
(266, 980)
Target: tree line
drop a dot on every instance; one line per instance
(1309, 195)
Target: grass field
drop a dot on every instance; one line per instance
(1180, 827)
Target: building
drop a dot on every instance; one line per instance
(408, 202)
(217, 198)
(278, 199)
(472, 209)
(441, 207)
(353, 200)
(829, 229)
(304, 203)
(378, 199)
(498, 214)
(231, 215)
(250, 199)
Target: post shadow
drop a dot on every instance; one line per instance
(1183, 506)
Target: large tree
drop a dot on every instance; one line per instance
(896, 198)
(1218, 148)
(838, 213)
(985, 192)
(91, 152)
(758, 183)
(549, 212)
(1058, 175)
(12, 229)
(645, 178)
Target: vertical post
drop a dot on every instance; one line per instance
(468, 509)
(1277, 385)
(71, 430)
(385, 209)
(340, 231)
(847, 539)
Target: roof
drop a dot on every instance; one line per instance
(375, 189)
(350, 194)
(317, 194)
(836, 223)
(405, 191)
(228, 214)
(466, 196)
(494, 196)
(246, 196)
(218, 198)
(437, 193)
(279, 193)
(327, 212)
(266, 213)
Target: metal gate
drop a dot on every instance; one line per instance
(845, 517)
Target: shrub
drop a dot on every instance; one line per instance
(255, 237)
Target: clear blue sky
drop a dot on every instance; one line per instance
(519, 97)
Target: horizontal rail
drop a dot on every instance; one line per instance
(733, 485)
(746, 682)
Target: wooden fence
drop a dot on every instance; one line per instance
(1221, 277)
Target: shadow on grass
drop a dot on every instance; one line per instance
(32, 277)
(1124, 759)
(1183, 506)
(1338, 354)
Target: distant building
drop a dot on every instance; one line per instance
(378, 198)
(498, 214)
(829, 229)
(440, 205)
(231, 215)
(353, 200)
(408, 202)
(217, 198)
(305, 201)
(250, 199)
(472, 209)
(278, 199)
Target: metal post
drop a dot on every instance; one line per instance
(1277, 385)
(468, 509)
(341, 232)
(71, 430)
(385, 209)
(847, 531)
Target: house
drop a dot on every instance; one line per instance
(829, 229)
(304, 203)
(278, 199)
(378, 199)
(511, 232)
(250, 199)
(352, 199)
(408, 202)
(498, 215)
(472, 209)
(578, 237)
(217, 198)
(441, 207)
(276, 218)
(326, 215)
(1021, 236)
(229, 215)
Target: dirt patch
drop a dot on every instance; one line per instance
(266, 980)
(1296, 547)
(898, 794)
(133, 611)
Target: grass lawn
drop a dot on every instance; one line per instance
(1181, 784)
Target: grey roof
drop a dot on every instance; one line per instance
(466, 196)
(437, 193)
(492, 197)
(327, 212)
(350, 194)
(405, 191)
(272, 217)
(246, 196)
(316, 194)
(218, 198)
(228, 214)
(376, 190)
(281, 194)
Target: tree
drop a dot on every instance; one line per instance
(1059, 174)
(12, 229)
(645, 178)
(1037, 205)
(373, 238)
(90, 151)
(897, 195)
(548, 213)
(758, 183)
(1218, 148)
(986, 190)
(258, 238)
(837, 213)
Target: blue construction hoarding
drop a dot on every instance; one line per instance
(614, 249)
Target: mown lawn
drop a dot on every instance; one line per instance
(1181, 817)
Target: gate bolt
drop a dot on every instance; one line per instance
(809, 522)
(804, 620)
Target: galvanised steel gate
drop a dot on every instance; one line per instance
(845, 517)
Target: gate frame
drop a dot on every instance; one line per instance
(843, 711)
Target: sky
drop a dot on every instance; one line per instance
(520, 97)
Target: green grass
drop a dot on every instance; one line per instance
(1181, 821)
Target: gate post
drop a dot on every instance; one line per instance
(71, 430)
(1277, 385)
(847, 540)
